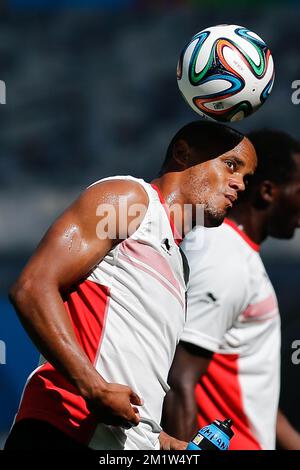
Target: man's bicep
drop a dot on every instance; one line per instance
(69, 249)
(197, 359)
(190, 362)
(82, 236)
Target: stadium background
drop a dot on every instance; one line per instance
(91, 92)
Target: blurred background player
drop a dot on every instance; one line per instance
(228, 361)
(98, 304)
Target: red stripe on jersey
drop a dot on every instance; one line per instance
(247, 239)
(152, 274)
(48, 396)
(176, 235)
(219, 396)
(150, 257)
(87, 307)
(264, 308)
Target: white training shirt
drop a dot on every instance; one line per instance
(232, 310)
(128, 315)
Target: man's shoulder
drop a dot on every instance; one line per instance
(213, 242)
(216, 254)
(109, 190)
(113, 205)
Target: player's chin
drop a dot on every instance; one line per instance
(214, 219)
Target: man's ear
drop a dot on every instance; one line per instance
(268, 191)
(181, 154)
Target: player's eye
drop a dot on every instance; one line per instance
(231, 164)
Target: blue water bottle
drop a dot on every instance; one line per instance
(214, 436)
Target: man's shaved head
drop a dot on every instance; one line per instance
(209, 138)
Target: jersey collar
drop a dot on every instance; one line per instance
(242, 234)
(176, 235)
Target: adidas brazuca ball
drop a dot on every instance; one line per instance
(225, 72)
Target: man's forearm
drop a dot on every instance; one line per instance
(180, 414)
(47, 322)
(180, 407)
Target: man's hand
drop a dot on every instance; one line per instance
(114, 404)
(170, 443)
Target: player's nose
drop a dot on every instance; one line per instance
(237, 183)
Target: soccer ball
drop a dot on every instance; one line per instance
(225, 72)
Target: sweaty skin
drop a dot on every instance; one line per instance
(72, 247)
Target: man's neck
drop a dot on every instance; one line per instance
(169, 187)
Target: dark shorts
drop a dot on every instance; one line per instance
(32, 434)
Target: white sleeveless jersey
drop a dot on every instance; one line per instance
(232, 311)
(128, 315)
